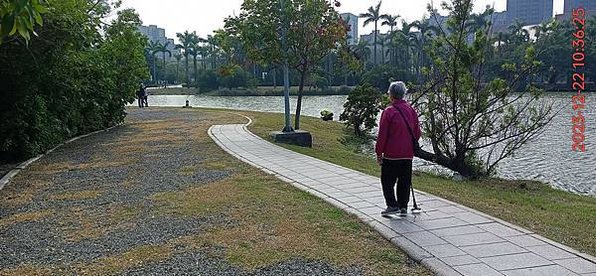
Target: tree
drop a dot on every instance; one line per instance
(391, 21)
(76, 75)
(373, 15)
(473, 122)
(187, 42)
(314, 28)
(152, 49)
(163, 48)
(425, 29)
(19, 17)
(178, 58)
(361, 109)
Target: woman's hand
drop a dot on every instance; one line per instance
(379, 160)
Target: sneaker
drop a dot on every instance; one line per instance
(390, 211)
(403, 212)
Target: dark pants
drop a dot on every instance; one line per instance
(140, 101)
(400, 171)
(145, 101)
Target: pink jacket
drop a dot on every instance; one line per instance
(395, 141)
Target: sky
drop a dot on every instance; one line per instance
(204, 16)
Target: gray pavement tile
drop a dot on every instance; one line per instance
(525, 240)
(458, 230)
(368, 195)
(434, 214)
(424, 238)
(372, 211)
(551, 252)
(516, 261)
(439, 267)
(401, 226)
(473, 239)
(460, 260)
(362, 190)
(500, 229)
(472, 217)
(349, 199)
(450, 209)
(361, 204)
(413, 250)
(477, 270)
(434, 204)
(578, 265)
(550, 270)
(444, 250)
(492, 249)
(385, 231)
(440, 223)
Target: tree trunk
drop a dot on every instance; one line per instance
(194, 61)
(177, 72)
(299, 102)
(186, 71)
(274, 78)
(375, 45)
(458, 165)
(165, 70)
(154, 70)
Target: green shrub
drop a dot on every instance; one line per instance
(73, 78)
(208, 81)
(362, 108)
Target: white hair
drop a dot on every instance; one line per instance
(397, 89)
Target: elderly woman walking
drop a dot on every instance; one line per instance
(398, 130)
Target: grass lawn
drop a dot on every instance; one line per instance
(564, 217)
(158, 189)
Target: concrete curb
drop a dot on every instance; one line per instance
(14, 172)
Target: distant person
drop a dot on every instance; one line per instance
(141, 95)
(398, 130)
(145, 96)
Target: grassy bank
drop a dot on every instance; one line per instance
(258, 91)
(564, 217)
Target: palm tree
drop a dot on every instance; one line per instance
(194, 52)
(391, 21)
(164, 50)
(425, 29)
(382, 41)
(362, 51)
(153, 49)
(178, 57)
(373, 15)
(212, 50)
(187, 42)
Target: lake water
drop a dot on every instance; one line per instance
(548, 158)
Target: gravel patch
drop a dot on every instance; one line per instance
(159, 166)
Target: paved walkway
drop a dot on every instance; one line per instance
(449, 238)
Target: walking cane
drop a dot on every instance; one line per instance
(416, 209)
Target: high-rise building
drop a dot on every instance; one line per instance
(529, 12)
(156, 34)
(589, 5)
(352, 21)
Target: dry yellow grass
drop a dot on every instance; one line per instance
(26, 270)
(23, 217)
(79, 195)
(133, 258)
